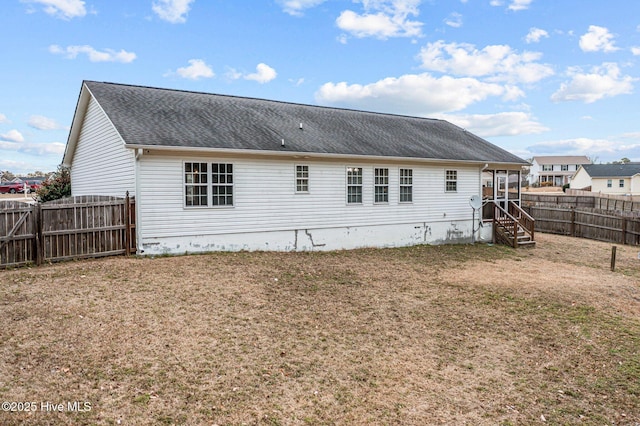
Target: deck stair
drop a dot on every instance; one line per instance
(513, 227)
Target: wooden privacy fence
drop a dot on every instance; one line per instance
(595, 224)
(70, 228)
(575, 198)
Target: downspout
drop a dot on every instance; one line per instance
(138, 155)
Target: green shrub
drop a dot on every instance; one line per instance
(56, 187)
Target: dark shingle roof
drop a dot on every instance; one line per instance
(172, 118)
(612, 170)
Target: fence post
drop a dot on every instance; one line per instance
(573, 221)
(37, 213)
(624, 230)
(127, 226)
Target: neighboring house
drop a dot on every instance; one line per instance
(213, 172)
(556, 169)
(621, 179)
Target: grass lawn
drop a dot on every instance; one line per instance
(417, 336)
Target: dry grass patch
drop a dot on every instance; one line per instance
(423, 335)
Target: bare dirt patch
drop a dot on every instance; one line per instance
(422, 335)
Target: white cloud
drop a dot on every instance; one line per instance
(297, 7)
(53, 148)
(602, 82)
(535, 34)
(63, 9)
(382, 19)
(500, 124)
(264, 74)
(3, 118)
(196, 70)
(635, 51)
(454, 20)
(174, 11)
(12, 136)
(107, 55)
(517, 5)
(597, 39)
(411, 94)
(44, 123)
(496, 62)
(580, 146)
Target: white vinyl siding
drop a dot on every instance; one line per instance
(101, 163)
(265, 198)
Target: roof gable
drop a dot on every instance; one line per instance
(562, 159)
(151, 117)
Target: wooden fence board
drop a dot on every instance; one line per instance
(70, 228)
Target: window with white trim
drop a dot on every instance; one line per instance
(196, 184)
(609, 183)
(302, 179)
(208, 184)
(354, 185)
(381, 185)
(406, 185)
(221, 184)
(451, 181)
(564, 168)
(621, 183)
(547, 167)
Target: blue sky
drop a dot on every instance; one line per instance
(536, 77)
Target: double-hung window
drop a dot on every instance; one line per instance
(221, 184)
(196, 177)
(302, 179)
(354, 185)
(564, 168)
(208, 184)
(381, 185)
(406, 185)
(609, 183)
(621, 183)
(451, 181)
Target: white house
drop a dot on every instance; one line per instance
(557, 169)
(620, 179)
(213, 172)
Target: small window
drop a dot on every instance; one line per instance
(564, 168)
(302, 178)
(406, 185)
(547, 167)
(609, 183)
(451, 181)
(222, 184)
(354, 185)
(195, 184)
(621, 183)
(381, 185)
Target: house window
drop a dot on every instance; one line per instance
(381, 185)
(564, 168)
(547, 167)
(609, 183)
(222, 184)
(195, 184)
(302, 178)
(406, 185)
(451, 181)
(354, 185)
(621, 183)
